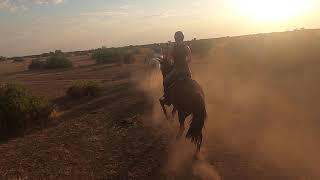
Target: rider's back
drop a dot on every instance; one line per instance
(180, 54)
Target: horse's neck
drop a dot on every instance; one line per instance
(164, 73)
(166, 69)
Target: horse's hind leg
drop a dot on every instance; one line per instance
(162, 102)
(182, 118)
(173, 113)
(198, 147)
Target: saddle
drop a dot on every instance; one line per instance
(180, 77)
(166, 98)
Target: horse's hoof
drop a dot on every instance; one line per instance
(196, 157)
(171, 120)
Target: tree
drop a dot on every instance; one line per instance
(2, 58)
(107, 55)
(18, 59)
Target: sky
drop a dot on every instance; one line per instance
(36, 26)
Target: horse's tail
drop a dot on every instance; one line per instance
(199, 115)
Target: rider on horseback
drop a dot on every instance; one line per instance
(181, 55)
(184, 93)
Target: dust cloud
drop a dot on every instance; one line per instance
(181, 162)
(266, 108)
(262, 97)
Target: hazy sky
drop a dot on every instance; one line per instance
(36, 26)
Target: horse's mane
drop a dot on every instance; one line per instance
(166, 66)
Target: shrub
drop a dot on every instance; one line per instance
(57, 53)
(20, 110)
(57, 61)
(18, 59)
(2, 58)
(45, 55)
(128, 57)
(84, 88)
(36, 64)
(106, 55)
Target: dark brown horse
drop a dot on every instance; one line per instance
(187, 97)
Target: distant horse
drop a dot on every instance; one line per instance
(152, 68)
(154, 64)
(187, 97)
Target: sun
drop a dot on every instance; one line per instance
(273, 10)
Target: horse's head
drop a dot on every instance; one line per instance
(165, 66)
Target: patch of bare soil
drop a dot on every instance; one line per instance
(91, 138)
(100, 139)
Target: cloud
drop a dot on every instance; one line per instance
(48, 1)
(9, 5)
(106, 13)
(14, 5)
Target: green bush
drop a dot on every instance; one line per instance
(36, 64)
(129, 57)
(45, 55)
(84, 88)
(18, 59)
(57, 61)
(107, 55)
(2, 58)
(57, 53)
(20, 110)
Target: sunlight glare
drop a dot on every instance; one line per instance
(273, 10)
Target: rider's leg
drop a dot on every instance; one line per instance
(166, 83)
(164, 100)
(169, 79)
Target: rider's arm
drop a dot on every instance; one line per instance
(189, 54)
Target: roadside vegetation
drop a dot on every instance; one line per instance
(106, 55)
(36, 64)
(55, 60)
(2, 58)
(18, 59)
(124, 55)
(21, 111)
(84, 89)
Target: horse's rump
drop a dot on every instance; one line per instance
(187, 86)
(188, 97)
(185, 92)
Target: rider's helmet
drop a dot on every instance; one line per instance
(178, 36)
